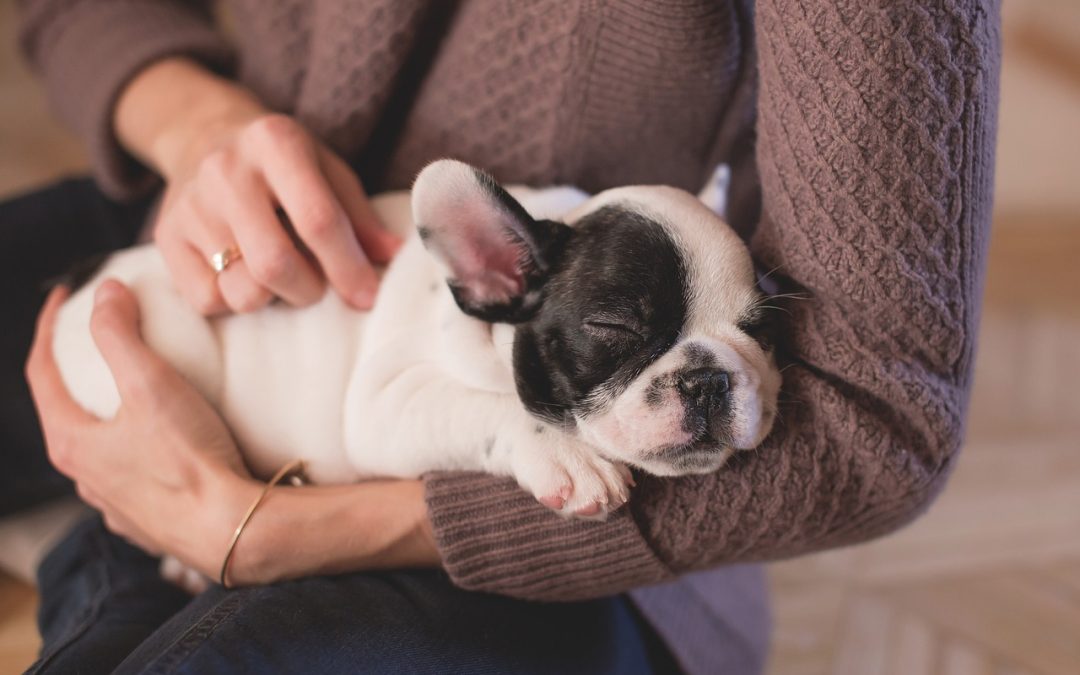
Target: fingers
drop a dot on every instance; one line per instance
(189, 269)
(270, 259)
(240, 290)
(236, 285)
(191, 274)
(293, 173)
(378, 243)
(230, 200)
(62, 419)
(138, 371)
(51, 396)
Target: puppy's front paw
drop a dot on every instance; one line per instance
(573, 479)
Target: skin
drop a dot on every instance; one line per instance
(228, 163)
(165, 472)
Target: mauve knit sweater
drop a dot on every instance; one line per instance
(862, 137)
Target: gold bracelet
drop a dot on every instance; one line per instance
(296, 466)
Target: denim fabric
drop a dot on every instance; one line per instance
(105, 608)
(42, 235)
(100, 598)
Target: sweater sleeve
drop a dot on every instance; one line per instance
(87, 50)
(876, 127)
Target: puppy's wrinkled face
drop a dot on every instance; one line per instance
(638, 324)
(648, 337)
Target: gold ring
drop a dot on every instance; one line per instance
(221, 260)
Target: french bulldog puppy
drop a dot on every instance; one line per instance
(541, 334)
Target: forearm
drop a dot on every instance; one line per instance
(172, 111)
(303, 531)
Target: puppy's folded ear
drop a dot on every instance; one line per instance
(496, 257)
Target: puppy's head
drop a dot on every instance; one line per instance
(638, 321)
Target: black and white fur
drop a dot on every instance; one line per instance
(539, 334)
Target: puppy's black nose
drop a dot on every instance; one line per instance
(704, 386)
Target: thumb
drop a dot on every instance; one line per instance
(114, 325)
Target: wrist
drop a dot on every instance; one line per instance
(175, 111)
(220, 502)
(298, 532)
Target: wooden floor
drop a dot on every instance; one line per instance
(988, 582)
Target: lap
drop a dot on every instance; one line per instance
(404, 621)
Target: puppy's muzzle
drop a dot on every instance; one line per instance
(705, 392)
(704, 388)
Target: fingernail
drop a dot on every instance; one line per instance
(364, 298)
(105, 292)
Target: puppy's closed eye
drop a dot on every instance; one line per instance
(610, 328)
(761, 325)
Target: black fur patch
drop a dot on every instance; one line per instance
(654, 393)
(698, 356)
(615, 302)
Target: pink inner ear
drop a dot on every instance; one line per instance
(484, 261)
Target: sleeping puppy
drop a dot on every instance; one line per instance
(541, 334)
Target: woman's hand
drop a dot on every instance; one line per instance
(229, 165)
(166, 474)
(164, 471)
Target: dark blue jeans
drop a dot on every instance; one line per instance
(104, 607)
(42, 235)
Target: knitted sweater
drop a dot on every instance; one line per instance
(861, 133)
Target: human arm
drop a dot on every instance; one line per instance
(166, 474)
(229, 164)
(875, 147)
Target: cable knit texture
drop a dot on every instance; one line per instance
(875, 123)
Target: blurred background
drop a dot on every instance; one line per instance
(988, 582)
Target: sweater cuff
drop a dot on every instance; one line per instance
(90, 52)
(495, 537)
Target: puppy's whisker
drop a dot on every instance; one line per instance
(774, 307)
(791, 296)
(768, 274)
